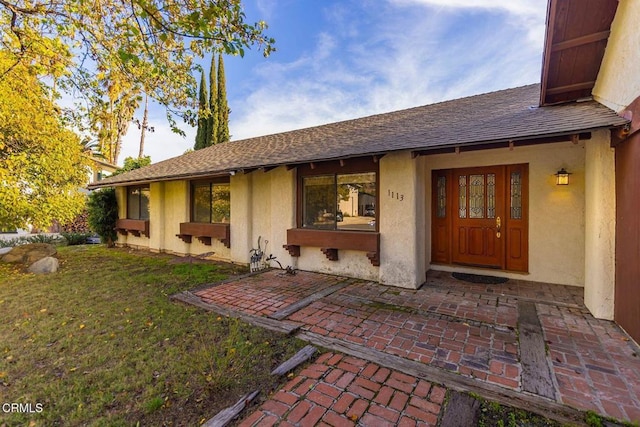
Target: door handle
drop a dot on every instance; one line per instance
(498, 227)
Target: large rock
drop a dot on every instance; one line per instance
(45, 265)
(30, 253)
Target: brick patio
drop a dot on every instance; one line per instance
(459, 327)
(339, 390)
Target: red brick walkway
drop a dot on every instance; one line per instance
(266, 293)
(341, 391)
(464, 328)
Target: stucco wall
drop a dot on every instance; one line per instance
(402, 221)
(270, 212)
(262, 206)
(600, 220)
(175, 209)
(618, 82)
(241, 213)
(138, 242)
(168, 207)
(556, 213)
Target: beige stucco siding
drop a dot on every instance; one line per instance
(241, 214)
(402, 221)
(600, 217)
(139, 242)
(618, 83)
(272, 212)
(556, 213)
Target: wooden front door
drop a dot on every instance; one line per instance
(477, 221)
(480, 217)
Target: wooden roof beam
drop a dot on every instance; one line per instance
(570, 88)
(580, 41)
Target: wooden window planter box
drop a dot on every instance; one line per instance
(133, 226)
(330, 242)
(205, 232)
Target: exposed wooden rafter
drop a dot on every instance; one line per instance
(511, 144)
(580, 41)
(575, 41)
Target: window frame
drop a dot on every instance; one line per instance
(335, 168)
(139, 187)
(210, 182)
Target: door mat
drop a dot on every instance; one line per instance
(476, 278)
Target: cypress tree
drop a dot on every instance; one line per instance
(212, 120)
(223, 107)
(202, 121)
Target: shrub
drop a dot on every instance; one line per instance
(103, 214)
(51, 239)
(36, 238)
(75, 238)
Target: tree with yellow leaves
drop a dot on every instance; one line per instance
(42, 163)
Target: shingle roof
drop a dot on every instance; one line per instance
(511, 114)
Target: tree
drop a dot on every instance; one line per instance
(103, 213)
(43, 165)
(212, 121)
(150, 44)
(144, 126)
(110, 120)
(201, 134)
(221, 104)
(131, 163)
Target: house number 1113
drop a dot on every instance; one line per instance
(396, 195)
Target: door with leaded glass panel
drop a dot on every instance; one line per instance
(479, 199)
(480, 217)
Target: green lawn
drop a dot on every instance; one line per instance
(101, 343)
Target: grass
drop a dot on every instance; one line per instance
(100, 343)
(493, 414)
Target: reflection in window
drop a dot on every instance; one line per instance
(516, 195)
(138, 203)
(210, 202)
(319, 201)
(340, 202)
(442, 197)
(462, 198)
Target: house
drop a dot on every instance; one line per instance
(467, 185)
(100, 169)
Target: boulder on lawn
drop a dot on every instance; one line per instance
(45, 265)
(30, 253)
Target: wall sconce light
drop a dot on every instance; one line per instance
(562, 177)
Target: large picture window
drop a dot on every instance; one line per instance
(210, 202)
(138, 202)
(339, 201)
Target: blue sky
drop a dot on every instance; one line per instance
(343, 59)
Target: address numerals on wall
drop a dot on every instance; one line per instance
(395, 195)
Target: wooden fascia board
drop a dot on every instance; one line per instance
(546, 56)
(502, 144)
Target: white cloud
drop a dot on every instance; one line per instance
(160, 144)
(415, 52)
(528, 13)
(370, 57)
(516, 7)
